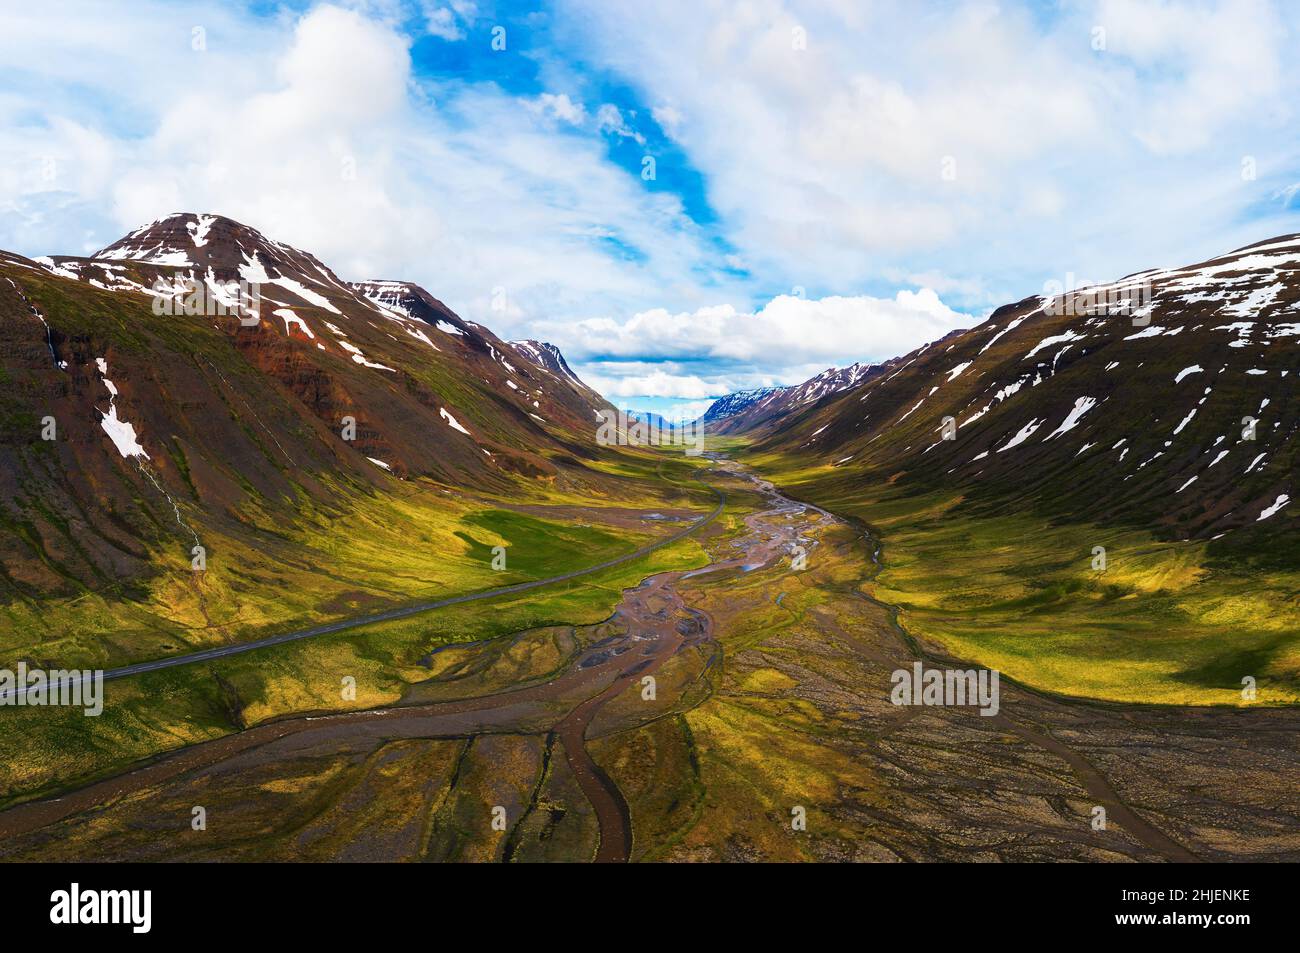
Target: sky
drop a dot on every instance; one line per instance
(689, 198)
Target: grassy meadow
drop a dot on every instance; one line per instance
(417, 542)
(1167, 622)
(45, 749)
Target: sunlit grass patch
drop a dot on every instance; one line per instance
(42, 749)
(1163, 623)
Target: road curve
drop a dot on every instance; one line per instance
(342, 625)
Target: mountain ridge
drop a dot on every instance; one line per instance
(153, 403)
(753, 410)
(1036, 411)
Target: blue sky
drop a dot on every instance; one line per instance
(832, 181)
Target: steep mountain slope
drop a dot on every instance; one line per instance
(754, 410)
(1129, 402)
(1090, 492)
(735, 403)
(200, 384)
(549, 359)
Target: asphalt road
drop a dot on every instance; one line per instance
(356, 622)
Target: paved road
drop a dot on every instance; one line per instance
(401, 613)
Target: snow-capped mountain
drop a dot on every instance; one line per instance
(548, 357)
(750, 410)
(1166, 398)
(734, 403)
(376, 325)
(830, 381)
(197, 369)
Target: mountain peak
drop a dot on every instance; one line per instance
(209, 242)
(547, 355)
(747, 409)
(171, 240)
(737, 401)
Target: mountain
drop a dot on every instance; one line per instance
(549, 359)
(737, 402)
(329, 342)
(752, 410)
(199, 382)
(1165, 399)
(656, 421)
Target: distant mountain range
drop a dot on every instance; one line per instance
(749, 410)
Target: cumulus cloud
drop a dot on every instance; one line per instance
(561, 107)
(786, 341)
(444, 22)
(668, 117)
(995, 142)
(610, 119)
(639, 380)
(787, 330)
(473, 194)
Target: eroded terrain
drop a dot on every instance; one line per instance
(694, 724)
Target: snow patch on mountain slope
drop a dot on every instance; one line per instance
(119, 431)
(1063, 337)
(360, 358)
(291, 319)
(1081, 407)
(1281, 501)
(1025, 433)
(452, 422)
(1010, 327)
(305, 293)
(199, 229)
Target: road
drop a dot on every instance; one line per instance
(651, 635)
(912, 783)
(223, 651)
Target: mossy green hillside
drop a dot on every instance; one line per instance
(1166, 622)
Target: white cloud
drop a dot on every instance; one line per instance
(826, 163)
(610, 119)
(786, 331)
(441, 22)
(471, 193)
(1214, 65)
(668, 117)
(653, 381)
(786, 341)
(561, 107)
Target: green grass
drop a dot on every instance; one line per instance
(1167, 622)
(536, 548)
(46, 749)
(382, 552)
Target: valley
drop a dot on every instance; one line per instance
(370, 583)
(771, 695)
